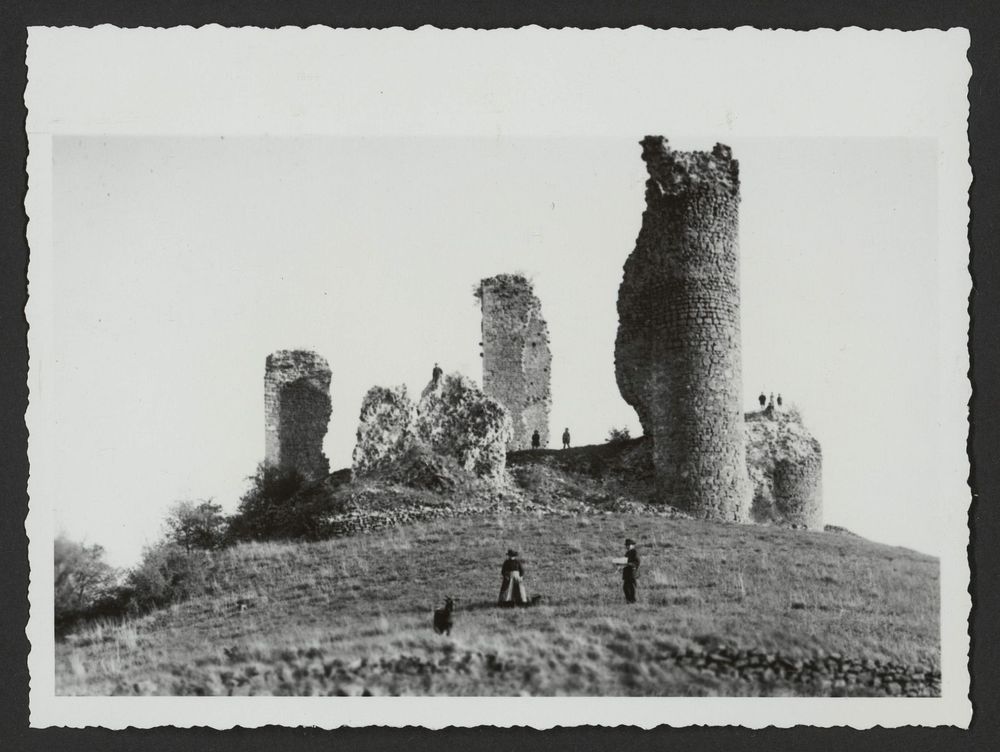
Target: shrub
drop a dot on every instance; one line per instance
(167, 574)
(617, 435)
(258, 514)
(84, 581)
(196, 525)
(418, 467)
(281, 506)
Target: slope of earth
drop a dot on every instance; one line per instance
(723, 610)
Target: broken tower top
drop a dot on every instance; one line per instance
(672, 173)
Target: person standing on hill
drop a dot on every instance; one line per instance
(779, 400)
(566, 439)
(536, 440)
(763, 400)
(512, 590)
(436, 373)
(630, 574)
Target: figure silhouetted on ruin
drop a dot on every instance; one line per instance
(436, 373)
(566, 439)
(536, 440)
(779, 400)
(770, 402)
(762, 399)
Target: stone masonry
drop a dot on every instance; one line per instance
(798, 491)
(677, 354)
(516, 357)
(296, 411)
(786, 469)
(454, 420)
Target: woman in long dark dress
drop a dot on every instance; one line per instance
(512, 590)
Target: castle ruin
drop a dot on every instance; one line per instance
(516, 357)
(677, 353)
(798, 496)
(454, 421)
(296, 411)
(786, 469)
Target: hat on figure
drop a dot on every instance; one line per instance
(511, 552)
(629, 542)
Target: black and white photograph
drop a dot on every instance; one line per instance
(508, 366)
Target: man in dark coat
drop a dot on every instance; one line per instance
(763, 400)
(536, 440)
(779, 400)
(566, 439)
(512, 593)
(631, 571)
(436, 373)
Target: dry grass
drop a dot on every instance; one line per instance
(344, 614)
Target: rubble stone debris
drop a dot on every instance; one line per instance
(516, 356)
(786, 467)
(677, 353)
(296, 411)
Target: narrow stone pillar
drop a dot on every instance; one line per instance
(677, 354)
(516, 357)
(296, 411)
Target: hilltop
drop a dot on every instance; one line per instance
(724, 608)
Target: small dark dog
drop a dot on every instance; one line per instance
(442, 617)
(535, 600)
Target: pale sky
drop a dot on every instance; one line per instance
(180, 263)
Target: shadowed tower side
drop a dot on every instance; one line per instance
(516, 356)
(296, 411)
(677, 353)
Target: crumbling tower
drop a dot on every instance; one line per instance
(296, 411)
(677, 354)
(786, 469)
(516, 357)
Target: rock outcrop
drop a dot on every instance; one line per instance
(677, 353)
(453, 420)
(516, 356)
(786, 469)
(296, 411)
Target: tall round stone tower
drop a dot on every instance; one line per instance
(296, 411)
(677, 354)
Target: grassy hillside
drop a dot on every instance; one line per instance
(724, 609)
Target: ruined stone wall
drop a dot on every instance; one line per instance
(516, 357)
(454, 419)
(798, 491)
(384, 429)
(786, 469)
(296, 411)
(677, 354)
